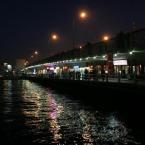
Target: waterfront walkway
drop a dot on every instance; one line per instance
(123, 80)
(99, 79)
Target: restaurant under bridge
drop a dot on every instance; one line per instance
(128, 66)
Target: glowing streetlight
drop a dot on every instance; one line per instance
(109, 55)
(54, 37)
(83, 14)
(106, 38)
(104, 56)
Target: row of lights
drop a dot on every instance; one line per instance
(55, 37)
(116, 54)
(87, 58)
(130, 53)
(83, 15)
(80, 59)
(67, 61)
(34, 55)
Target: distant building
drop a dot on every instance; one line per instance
(11, 67)
(6, 68)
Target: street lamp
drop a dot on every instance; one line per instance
(106, 38)
(54, 37)
(81, 15)
(109, 63)
(53, 43)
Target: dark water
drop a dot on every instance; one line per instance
(33, 114)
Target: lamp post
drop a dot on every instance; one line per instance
(82, 15)
(53, 40)
(109, 62)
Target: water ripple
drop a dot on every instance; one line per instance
(46, 117)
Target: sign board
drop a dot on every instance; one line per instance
(120, 62)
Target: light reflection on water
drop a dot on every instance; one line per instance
(7, 93)
(52, 118)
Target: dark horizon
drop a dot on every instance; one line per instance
(26, 26)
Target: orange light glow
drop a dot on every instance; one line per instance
(83, 14)
(106, 38)
(54, 37)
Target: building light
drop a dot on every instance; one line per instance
(140, 66)
(104, 56)
(131, 52)
(5, 64)
(34, 71)
(115, 54)
(52, 68)
(9, 67)
(57, 67)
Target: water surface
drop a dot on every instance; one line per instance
(33, 114)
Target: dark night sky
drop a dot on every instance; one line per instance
(27, 25)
